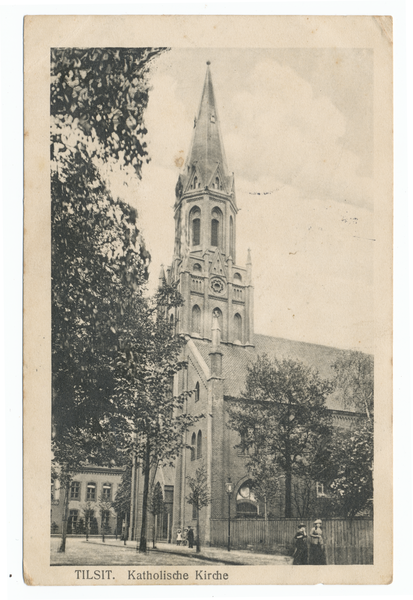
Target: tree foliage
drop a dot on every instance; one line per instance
(149, 418)
(282, 416)
(352, 462)
(199, 497)
(99, 261)
(354, 380)
(103, 92)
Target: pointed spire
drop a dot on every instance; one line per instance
(207, 150)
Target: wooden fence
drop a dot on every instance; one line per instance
(347, 542)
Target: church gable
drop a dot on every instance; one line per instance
(217, 265)
(217, 181)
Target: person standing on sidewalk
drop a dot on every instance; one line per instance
(190, 537)
(178, 537)
(300, 553)
(317, 550)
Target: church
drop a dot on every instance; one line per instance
(217, 322)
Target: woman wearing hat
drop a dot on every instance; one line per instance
(317, 552)
(178, 537)
(300, 552)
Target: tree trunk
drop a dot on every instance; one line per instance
(64, 519)
(288, 500)
(198, 541)
(154, 531)
(146, 470)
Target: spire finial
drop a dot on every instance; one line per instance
(208, 62)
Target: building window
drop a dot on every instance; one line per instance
(218, 313)
(238, 328)
(195, 221)
(237, 277)
(197, 268)
(214, 232)
(91, 491)
(197, 392)
(217, 182)
(195, 182)
(72, 521)
(196, 232)
(199, 445)
(196, 319)
(75, 490)
(320, 491)
(105, 520)
(216, 227)
(89, 519)
(193, 443)
(107, 492)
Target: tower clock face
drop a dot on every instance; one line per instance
(217, 286)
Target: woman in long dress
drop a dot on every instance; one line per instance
(317, 550)
(300, 552)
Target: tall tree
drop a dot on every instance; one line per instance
(156, 506)
(149, 419)
(199, 497)
(352, 452)
(99, 262)
(352, 463)
(354, 380)
(283, 415)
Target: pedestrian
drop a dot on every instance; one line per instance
(178, 537)
(190, 537)
(300, 540)
(185, 536)
(317, 550)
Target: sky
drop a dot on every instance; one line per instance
(297, 126)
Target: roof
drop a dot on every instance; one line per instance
(236, 359)
(207, 149)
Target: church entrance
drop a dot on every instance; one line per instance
(247, 505)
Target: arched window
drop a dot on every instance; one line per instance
(199, 445)
(193, 444)
(218, 313)
(196, 319)
(197, 392)
(231, 237)
(214, 232)
(197, 268)
(237, 277)
(216, 227)
(195, 226)
(195, 182)
(238, 328)
(247, 505)
(217, 182)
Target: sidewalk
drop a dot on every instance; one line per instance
(234, 557)
(211, 554)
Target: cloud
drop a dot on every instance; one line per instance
(278, 125)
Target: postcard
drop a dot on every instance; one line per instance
(208, 300)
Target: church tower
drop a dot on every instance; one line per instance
(204, 262)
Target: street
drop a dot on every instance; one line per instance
(114, 552)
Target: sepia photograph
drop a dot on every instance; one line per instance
(214, 227)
